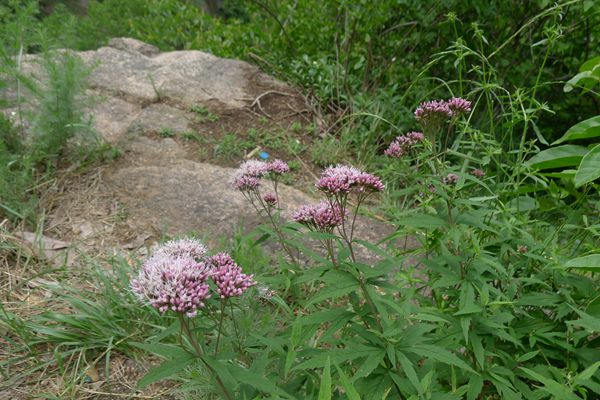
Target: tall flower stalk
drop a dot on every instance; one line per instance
(178, 277)
(337, 183)
(249, 178)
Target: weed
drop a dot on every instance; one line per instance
(203, 114)
(230, 146)
(329, 151)
(192, 137)
(166, 132)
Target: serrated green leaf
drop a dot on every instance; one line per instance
(551, 386)
(475, 387)
(332, 293)
(410, 372)
(321, 317)
(586, 321)
(589, 372)
(440, 354)
(478, 350)
(369, 364)
(255, 380)
(347, 385)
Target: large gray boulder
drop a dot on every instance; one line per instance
(157, 187)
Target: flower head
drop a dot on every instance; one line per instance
(522, 249)
(341, 179)
(228, 276)
(366, 182)
(176, 283)
(403, 144)
(270, 199)
(246, 183)
(435, 110)
(458, 106)
(186, 247)
(247, 176)
(322, 216)
(254, 168)
(278, 167)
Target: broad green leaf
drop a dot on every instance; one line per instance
(424, 221)
(589, 169)
(347, 385)
(325, 387)
(589, 72)
(440, 354)
(586, 129)
(589, 263)
(551, 386)
(567, 155)
(523, 203)
(166, 370)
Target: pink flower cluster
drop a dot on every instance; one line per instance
(432, 114)
(432, 110)
(278, 167)
(323, 216)
(404, 144)
(458, 106)
(228, 276)
(176, 277)
(247, 177)
(342, 179)
(442, 109)
(186, 247)
(172, 283)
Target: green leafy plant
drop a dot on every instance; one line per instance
(583, 160)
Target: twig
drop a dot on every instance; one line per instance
(129, 396)
(257, 103)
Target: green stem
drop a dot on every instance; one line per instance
(200, 353)
(222, 317)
